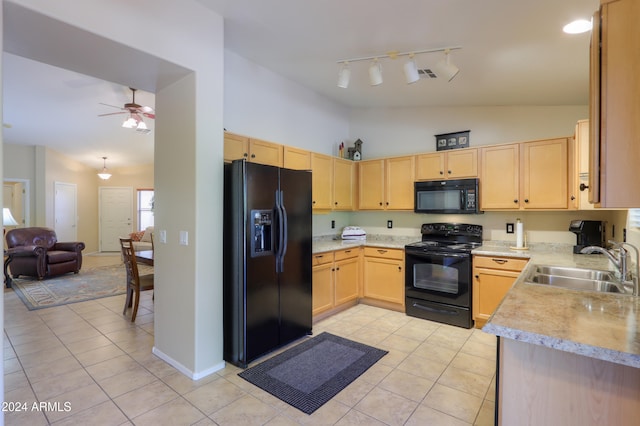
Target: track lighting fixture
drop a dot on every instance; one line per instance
(375, 73)
(104, 174)
(447, 70)
(411, 70)
(343, 75)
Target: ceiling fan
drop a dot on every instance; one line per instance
(135, 111)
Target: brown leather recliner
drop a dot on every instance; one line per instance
(36, 252)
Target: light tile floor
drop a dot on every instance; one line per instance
(98, 367)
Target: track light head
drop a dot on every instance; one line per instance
(411, 70)
(375, 73)
(445, 68)
(343, 75)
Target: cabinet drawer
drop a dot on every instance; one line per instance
(322, 258)
(346, 253)
(383, 252)
(500, 262)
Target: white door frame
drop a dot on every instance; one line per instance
(25, 199)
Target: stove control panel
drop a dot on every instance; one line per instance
(451, 229)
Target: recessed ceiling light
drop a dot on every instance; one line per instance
(577, 27)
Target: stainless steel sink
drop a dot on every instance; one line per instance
(576, 279)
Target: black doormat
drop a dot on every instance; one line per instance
(311, 373)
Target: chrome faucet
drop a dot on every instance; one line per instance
(619, 260)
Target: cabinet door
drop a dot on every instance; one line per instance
(323, 288)
(545, 174)
(347, 278)
(264, 152)
(400, 177)
(462, 163)
(236, 147)
(384, 279)
(343, 182)
(489, 288)
(430, 166)
(296, 159)
(371, 185)
(499, 177)
(321, 181)
(618, 122)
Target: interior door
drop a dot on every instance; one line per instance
(116, 216)
(65, 213)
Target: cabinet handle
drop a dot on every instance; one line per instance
(583, 187)
(319, 256)
(399, 268)
(313, 202)
(573, 197)
(500, 261)
(526, 200)
(337, 269)
(380, 202)
(515, 201)
(335, 203)
(449, 171)
(387, 203)
(333, 269)
(347, 251)
(441, 172)
(382, 251)
(477, 277)
(253, 156)
(245, 155)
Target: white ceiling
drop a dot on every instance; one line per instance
(513, 53)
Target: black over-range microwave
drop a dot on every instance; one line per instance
(447, 196)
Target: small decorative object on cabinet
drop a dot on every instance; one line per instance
(452, 140)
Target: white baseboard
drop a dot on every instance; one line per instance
(184, 370)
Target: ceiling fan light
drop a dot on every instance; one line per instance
(411, 71)
(130, 123)
(375, 73)
(141, 126)
(344, 75)
(445, 68)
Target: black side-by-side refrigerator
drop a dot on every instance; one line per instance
(267, 259)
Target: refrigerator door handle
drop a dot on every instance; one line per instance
(280, 243)
(285, 226)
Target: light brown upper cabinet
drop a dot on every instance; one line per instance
(321, 181)
(614, 112)
(454, 164)
(529, 175)
(386, 184)
(296, 158)
(254, 150)
(581, 161)
(343, 184)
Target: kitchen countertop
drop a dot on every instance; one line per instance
(324, 244)
(598, 325)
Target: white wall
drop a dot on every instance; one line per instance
(265, 105)
(399, 131)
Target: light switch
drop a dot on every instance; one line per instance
(184, 238)
(163, 236)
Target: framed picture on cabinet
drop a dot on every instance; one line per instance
(455, 140)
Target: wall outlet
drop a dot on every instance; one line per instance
(184, 238)
(333, 224)
(510, 228)
(389, 224)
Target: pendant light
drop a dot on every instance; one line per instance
(104, 174)
(411, 70)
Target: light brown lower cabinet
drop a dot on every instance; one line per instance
(336, 279)
(384, 276)
(493, 276)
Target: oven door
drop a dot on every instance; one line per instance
(442, 277)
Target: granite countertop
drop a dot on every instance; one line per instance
(598, 325)
(330, 243)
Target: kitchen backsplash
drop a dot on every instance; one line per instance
(539, 227)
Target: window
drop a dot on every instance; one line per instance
(145, 208)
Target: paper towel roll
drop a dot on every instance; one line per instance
(519, 235)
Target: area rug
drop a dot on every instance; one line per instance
(88, 284)
(311, 373)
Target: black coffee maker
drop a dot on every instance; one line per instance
(589, 232)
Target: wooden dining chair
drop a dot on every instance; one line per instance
(135, 282)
